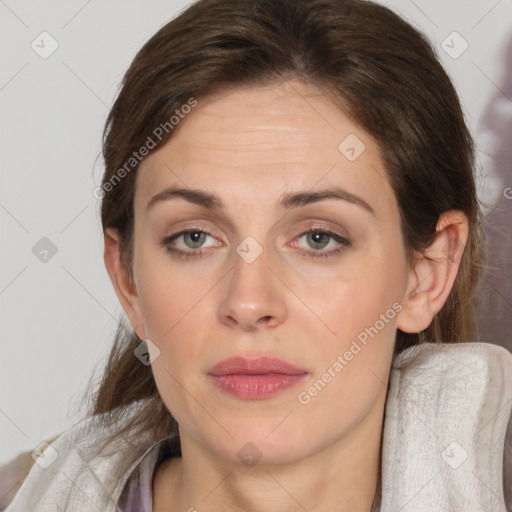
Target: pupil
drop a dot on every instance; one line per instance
(196, 237)
(317, 238)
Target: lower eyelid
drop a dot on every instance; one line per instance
(324, 254)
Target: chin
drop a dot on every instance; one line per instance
(252, 444)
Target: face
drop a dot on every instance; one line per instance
(284, 243)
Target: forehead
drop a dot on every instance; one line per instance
(258, 142)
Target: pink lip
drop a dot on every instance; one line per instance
(256, 366)
(257, 378)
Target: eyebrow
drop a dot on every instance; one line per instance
(287, 201)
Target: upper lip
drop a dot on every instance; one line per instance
(254, 366)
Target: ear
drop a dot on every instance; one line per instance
(431, 279)
(123, 285)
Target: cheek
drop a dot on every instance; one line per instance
(173, 318)
(351, 300)
(171, 296)
(174, 310)
(352, 369)
(355, 354)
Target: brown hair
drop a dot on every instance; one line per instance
(386, 77)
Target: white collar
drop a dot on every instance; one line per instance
(447, 412)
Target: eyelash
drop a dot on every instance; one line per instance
(307, 254)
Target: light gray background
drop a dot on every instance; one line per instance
(58, 317)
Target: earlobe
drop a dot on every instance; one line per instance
(124, 287)
(434, 272)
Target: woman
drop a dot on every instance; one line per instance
(292, 227)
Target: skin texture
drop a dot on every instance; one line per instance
(250, 146)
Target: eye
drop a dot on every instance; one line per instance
(320, 238)
(192, 243)
(192, 239)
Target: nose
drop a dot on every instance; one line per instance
(254, 296)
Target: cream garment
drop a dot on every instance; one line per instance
(445, 444)
(445, 429)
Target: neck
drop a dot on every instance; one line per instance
(344, 476)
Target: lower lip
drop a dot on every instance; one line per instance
(256, 387)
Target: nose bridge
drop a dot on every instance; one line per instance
(252, 296)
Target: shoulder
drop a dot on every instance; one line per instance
(476, 354)
(82, 466)
(447, 433)
(455, 369)
(13, 473)
(447, 383)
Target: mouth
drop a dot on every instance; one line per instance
(257, 378)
